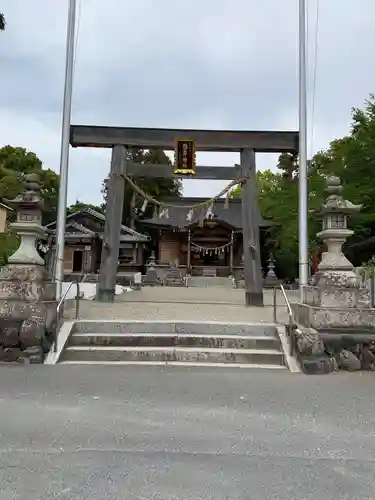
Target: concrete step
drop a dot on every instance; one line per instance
(176, 327)
(173, 354)
(171, 340)
(189, 343)
(178, 364)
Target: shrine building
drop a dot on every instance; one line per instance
(84, 234)
(205, 240)
(202, 241)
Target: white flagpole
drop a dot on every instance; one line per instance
(303, 190)
(64, 155)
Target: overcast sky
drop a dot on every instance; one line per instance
(220, 64)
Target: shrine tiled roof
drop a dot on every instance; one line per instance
(127, 234)
(176, 216)
(74, 230)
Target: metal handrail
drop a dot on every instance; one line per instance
(290, 312)
(61, 302)
(292, 323)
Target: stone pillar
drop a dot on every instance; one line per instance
(189, 252)
(27, 293)
(231, 253)
(112, 228)
(140, 249)
(87, 252)
(250, 231)
(135, 254)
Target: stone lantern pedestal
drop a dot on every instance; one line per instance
(27, 293)
(271, 280)
(151, 276)
(336, 307)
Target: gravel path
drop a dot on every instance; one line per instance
(200, 304)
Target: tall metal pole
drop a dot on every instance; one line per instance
(303, 192)
(64, 155)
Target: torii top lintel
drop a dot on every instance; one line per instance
(206, 140)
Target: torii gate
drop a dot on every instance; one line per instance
(248, 143)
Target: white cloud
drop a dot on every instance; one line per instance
(230, 64)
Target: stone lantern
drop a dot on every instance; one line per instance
(335, 269)
(271, 279)
(334, 318)
(28, 225)
(27, 293)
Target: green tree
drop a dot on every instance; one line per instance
(267, 183)
(288, 167)
(15, 163)
(79, 205)
(278, 202)
(2, 22)
(352, 158)
(157, 188)
(9, 243)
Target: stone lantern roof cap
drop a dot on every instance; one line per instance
(335, 203)
(30, 197)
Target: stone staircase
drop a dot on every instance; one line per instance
(172, 343)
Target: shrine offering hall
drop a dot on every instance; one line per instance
(202, 240)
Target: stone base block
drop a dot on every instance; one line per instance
(19, 310)
(319, 317)
(317, 365)
(348, 337)
(332, 297)
(272, 283)
(25, 328)
(27, 283)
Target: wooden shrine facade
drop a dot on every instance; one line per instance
(247, 143)
(201, 241)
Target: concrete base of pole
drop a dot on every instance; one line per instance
(254, 299)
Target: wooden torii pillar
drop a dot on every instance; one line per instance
(112, 227)
(250, 231)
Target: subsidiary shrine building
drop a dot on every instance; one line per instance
(84, 236)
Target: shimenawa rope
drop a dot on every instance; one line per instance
(208, 202)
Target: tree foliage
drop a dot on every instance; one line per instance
(80, 205)
(278, 202)
(352, 158)
(15, 163)
(2, 22)
(157, 188)
(9, 243)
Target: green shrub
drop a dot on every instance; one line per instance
(9, 243)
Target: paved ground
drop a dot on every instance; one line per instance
(200, 304)
(167, 434)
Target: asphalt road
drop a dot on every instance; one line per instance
(91, 432)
